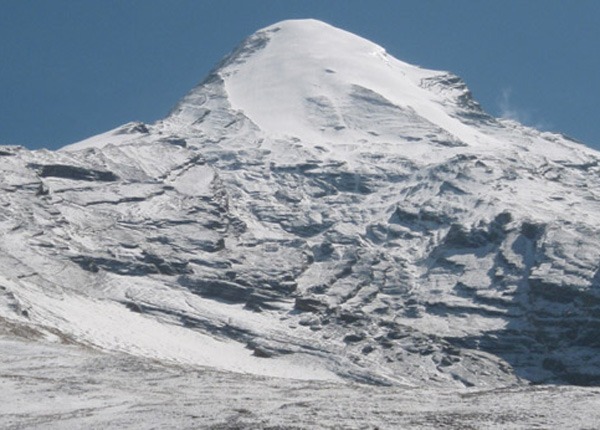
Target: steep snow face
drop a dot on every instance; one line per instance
(302, 73)
(305, 78)
(316, 209)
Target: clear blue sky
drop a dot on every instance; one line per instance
(72, 68)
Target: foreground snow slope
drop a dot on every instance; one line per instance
(314, 209)
(62, 387)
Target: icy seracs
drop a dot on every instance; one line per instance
(315, 209)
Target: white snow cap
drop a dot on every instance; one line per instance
(302, 78)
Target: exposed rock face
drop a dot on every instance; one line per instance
(333, 208)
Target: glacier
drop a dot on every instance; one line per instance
(314, 210)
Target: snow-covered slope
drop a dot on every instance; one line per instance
(314, 209)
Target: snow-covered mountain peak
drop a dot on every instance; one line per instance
(318, 209)
(310, 80)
